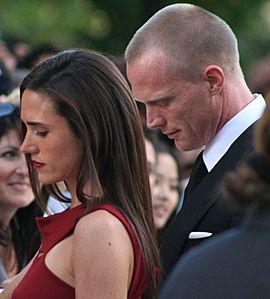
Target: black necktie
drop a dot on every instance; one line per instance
(199, 171)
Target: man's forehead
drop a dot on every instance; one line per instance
(149, 90)
(150, 59)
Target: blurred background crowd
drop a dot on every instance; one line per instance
(31, 30)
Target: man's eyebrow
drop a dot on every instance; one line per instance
(166, 98)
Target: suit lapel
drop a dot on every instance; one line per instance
(202, 200)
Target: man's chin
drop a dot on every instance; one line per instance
(179, 145)
(182, 146)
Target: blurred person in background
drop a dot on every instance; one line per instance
(9, 70)
(13, 97)
(259, 76)
(166, 188)
(37, 55)
(19, 238)
(164, 175)
(7, 57)
(151, 141)
(5, 79)
(53, 205)
(18, 46)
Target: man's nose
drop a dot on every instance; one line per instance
(153, 118)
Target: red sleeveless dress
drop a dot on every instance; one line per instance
(40, 283)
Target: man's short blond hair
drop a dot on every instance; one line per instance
(190, 37)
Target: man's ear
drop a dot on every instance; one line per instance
(215, 78)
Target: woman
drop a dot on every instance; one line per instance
(166, 188)
(164, 175)
(82, 127)
(18, 235)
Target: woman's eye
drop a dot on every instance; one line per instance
(156, 181)
(41, 133)
(174, 188)
(10, 154)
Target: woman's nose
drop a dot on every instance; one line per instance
(161, 192)
(22, 168)
(23, 147)
(28, 148)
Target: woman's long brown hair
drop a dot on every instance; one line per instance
(91, 94)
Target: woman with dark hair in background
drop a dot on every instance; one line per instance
(82, 126)
(19, 238)
(164, 175)
(166, 188)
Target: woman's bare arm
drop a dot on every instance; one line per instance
(102, 258)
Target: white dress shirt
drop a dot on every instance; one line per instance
(218, 146)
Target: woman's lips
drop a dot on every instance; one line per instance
(20, 186)
(160, 211)
(37, 165)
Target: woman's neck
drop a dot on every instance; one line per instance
(6, 214)
(9, 259)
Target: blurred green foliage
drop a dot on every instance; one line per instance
(107, 25)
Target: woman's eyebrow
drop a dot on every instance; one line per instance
(34, 123)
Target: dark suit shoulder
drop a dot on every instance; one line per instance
(231, 265)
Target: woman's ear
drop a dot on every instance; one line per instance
(215, 78)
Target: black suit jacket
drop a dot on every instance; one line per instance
(233, 265)
(205, 210)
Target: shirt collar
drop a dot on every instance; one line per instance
(218, 146)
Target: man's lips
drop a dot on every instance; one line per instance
(173, 134)
(37, 164)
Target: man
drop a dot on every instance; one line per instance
(236, 263)
(183, 64)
